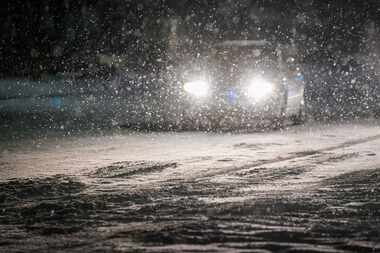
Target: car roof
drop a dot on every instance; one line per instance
(243, 43)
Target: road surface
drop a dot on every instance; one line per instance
(312, 188)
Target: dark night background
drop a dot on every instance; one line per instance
(46, 37)
(50, 39)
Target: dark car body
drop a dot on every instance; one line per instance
(247, 84)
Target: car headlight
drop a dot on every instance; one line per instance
(259, 89)
(199, 89)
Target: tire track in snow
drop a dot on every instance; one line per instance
(302, 154)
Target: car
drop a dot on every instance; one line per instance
(240, 83)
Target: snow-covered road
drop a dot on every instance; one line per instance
(312, 188)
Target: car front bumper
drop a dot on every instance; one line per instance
(222, 110)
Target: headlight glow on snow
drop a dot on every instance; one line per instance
(199, 89)
(259, 88)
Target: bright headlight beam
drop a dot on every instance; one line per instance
(259, 88)
(198, 88)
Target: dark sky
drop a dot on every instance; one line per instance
(51, 36)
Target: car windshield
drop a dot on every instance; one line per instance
(247, 54)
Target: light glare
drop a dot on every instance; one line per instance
(198, 88)
(259, 88)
